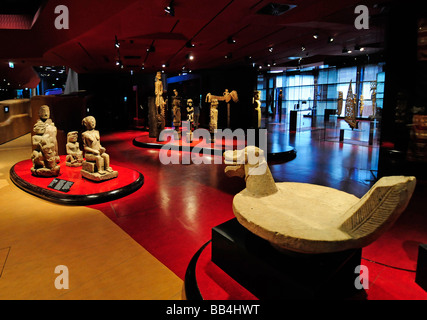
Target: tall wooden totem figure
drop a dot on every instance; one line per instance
(350, 109)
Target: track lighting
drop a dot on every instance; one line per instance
(228, 56)
(189, 57)
(231, 40)
(189, 44)
(331, 39)
(270, 49)
(359, 48)
(345, 50)
(117, 43)
(315, 36)
(302, 48)
(170, 9)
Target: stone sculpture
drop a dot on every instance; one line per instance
(96, 166)
(74, 156)
(50, 128)
(44, 156)
(308, 218)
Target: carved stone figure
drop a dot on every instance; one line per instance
(74, 154)
(213, 123)
(309, 218)
(96, 166)
(50, 128)
(44, 156)
(257, 109)
(340, 102)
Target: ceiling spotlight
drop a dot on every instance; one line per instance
(331, 39)
(228, 56)
(189, 44)
(117, 43)
(302, 48)
(315, 36)
(11, 65)
(231, 40)
(170, 10)
(151, 49)
(165, 65)
(359, 48)
(270, 49)
(189, 57)
(345, 50)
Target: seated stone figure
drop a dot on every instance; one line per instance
(44, 154)
(74, 154)
(96, 166)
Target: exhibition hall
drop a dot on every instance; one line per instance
(227, 150)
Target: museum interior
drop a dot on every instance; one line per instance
(144, 147)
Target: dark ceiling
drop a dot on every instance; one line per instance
(88, 46)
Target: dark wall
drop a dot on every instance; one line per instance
(114, 113)
(405, 88)
(116, 102)
(241, 79)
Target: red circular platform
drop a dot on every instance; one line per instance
(83, 191)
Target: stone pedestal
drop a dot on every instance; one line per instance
(89, 172)
(269, 274)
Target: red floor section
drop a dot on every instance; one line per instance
(173, 213)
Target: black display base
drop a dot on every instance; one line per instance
(421, 275)
(270, 274)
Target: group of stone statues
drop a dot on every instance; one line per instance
(94, 160)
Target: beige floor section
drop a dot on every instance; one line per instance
(36, 236)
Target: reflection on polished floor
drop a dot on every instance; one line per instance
(172, 215)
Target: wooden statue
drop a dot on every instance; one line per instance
(160, 104)
(213, 123)
(176, 109)
(362, 105)
(309, 218)
(374, 98)
(340, 102)
(190, 119)
(227, 97)
(257, 109)
(350, 109)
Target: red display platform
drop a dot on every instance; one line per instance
(275, 152)
(83, 191)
